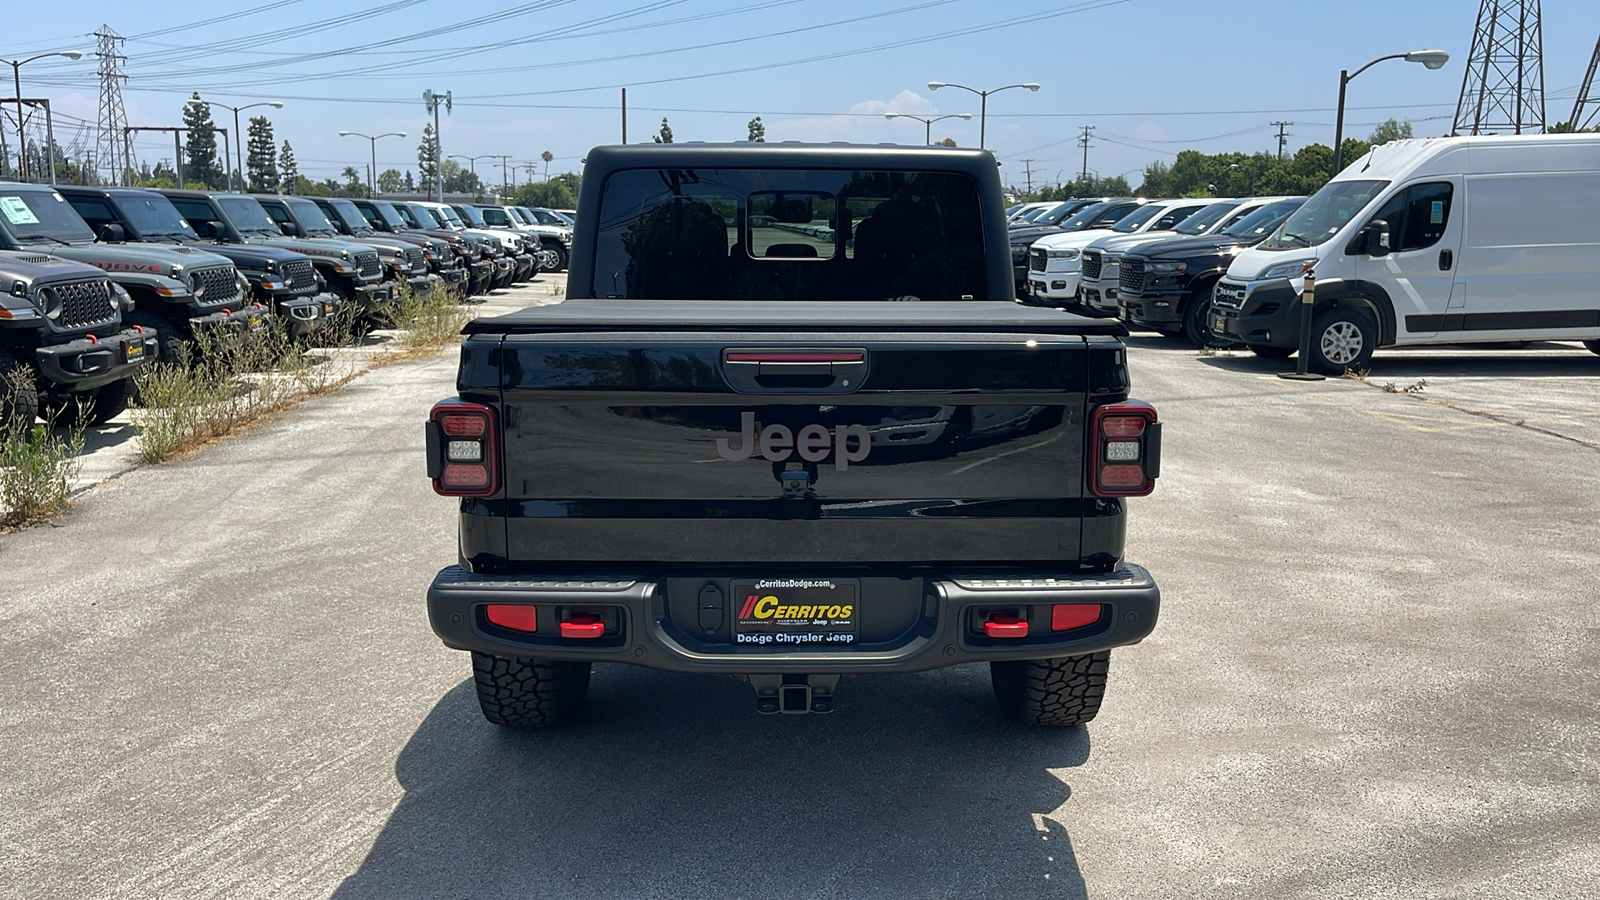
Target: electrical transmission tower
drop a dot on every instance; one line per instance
(112, 151)
(1586, 112)
(1503, 89)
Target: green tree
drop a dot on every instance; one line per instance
(1391, 130)
(261, 162)
(411, 184)
(947, 142)
(352, 181)
(428, 157)
(664, 136)
(551, 194)
(390, 182)
(200, 144)
(547, 156)
(571, 179)
(459, 180)
(288, 174)
(757, 131)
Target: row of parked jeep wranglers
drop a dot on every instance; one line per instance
(98, 281)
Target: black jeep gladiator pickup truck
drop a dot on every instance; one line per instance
(791, 425)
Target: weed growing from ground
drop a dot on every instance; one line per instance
(37, 468)
(431, 320)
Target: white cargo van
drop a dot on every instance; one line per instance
(1435, 241)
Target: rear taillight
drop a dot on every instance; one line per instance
(1124, 449)
(463, 457)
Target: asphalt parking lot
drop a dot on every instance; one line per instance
(1377, 674)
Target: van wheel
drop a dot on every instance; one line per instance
(19, 395)
(1594, 346)
(1053, 692)
(530, 693)
(1342, 339)
(1197, 322)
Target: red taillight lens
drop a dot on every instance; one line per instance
(1122, 426)
(457, 425)
(463, 457)
(516, 617)
(1067, 616)
(1124, 449)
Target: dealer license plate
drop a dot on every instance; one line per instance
(796, 613)
(133, 350)
(1219, 324)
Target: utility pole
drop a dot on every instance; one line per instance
(1586, 111)
(505, 180)
(1027, 169)
(1283, 136)
(1084, 142)
(624, 115)
(432, 101)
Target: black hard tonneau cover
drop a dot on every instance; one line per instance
(791, 315)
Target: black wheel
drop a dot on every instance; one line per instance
(1197, 322)
(1054, 692)
(530, 693)
(1342, 338)
(19, 394)
(1273, 352)
(111, 400)
(561, 256)
(1594, 346)
(170, 345)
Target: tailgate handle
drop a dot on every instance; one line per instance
(758, 370)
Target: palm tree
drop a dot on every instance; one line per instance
(351, 174)
(547, 156)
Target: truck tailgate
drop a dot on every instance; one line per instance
(828, 433)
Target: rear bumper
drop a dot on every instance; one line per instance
(938, 622)
(88, 363)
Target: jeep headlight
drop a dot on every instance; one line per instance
(242, 282)
(1063, 253)
(121, 297)
(1292, 269)
(192, 279)
(1165, 267)
(51, 303)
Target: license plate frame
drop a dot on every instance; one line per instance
(796, 613)
(132, 350)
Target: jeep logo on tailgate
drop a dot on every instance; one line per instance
(813, 443)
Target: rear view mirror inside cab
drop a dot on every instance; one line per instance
(790, 224)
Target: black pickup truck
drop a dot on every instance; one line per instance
(792, 425)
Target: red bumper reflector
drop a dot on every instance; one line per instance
(1067, 616)
(1000, 626)
(781, 356)
(583, 626)
(516, 617)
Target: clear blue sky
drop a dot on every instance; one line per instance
(1152, 76)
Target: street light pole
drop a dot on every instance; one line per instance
(983, 109)
(1432, 59)
(372, 174)
(927, 138)
(238, 143)
(472, 164)
(16, 80)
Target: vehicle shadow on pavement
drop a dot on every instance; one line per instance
(675, 787)
(1462, 362)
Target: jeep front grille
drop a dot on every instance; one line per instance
(417, 261)
(1131, 280)
(299, 274)
(368, 265)
(1091, 265)
(83, 303)
(218, 285)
